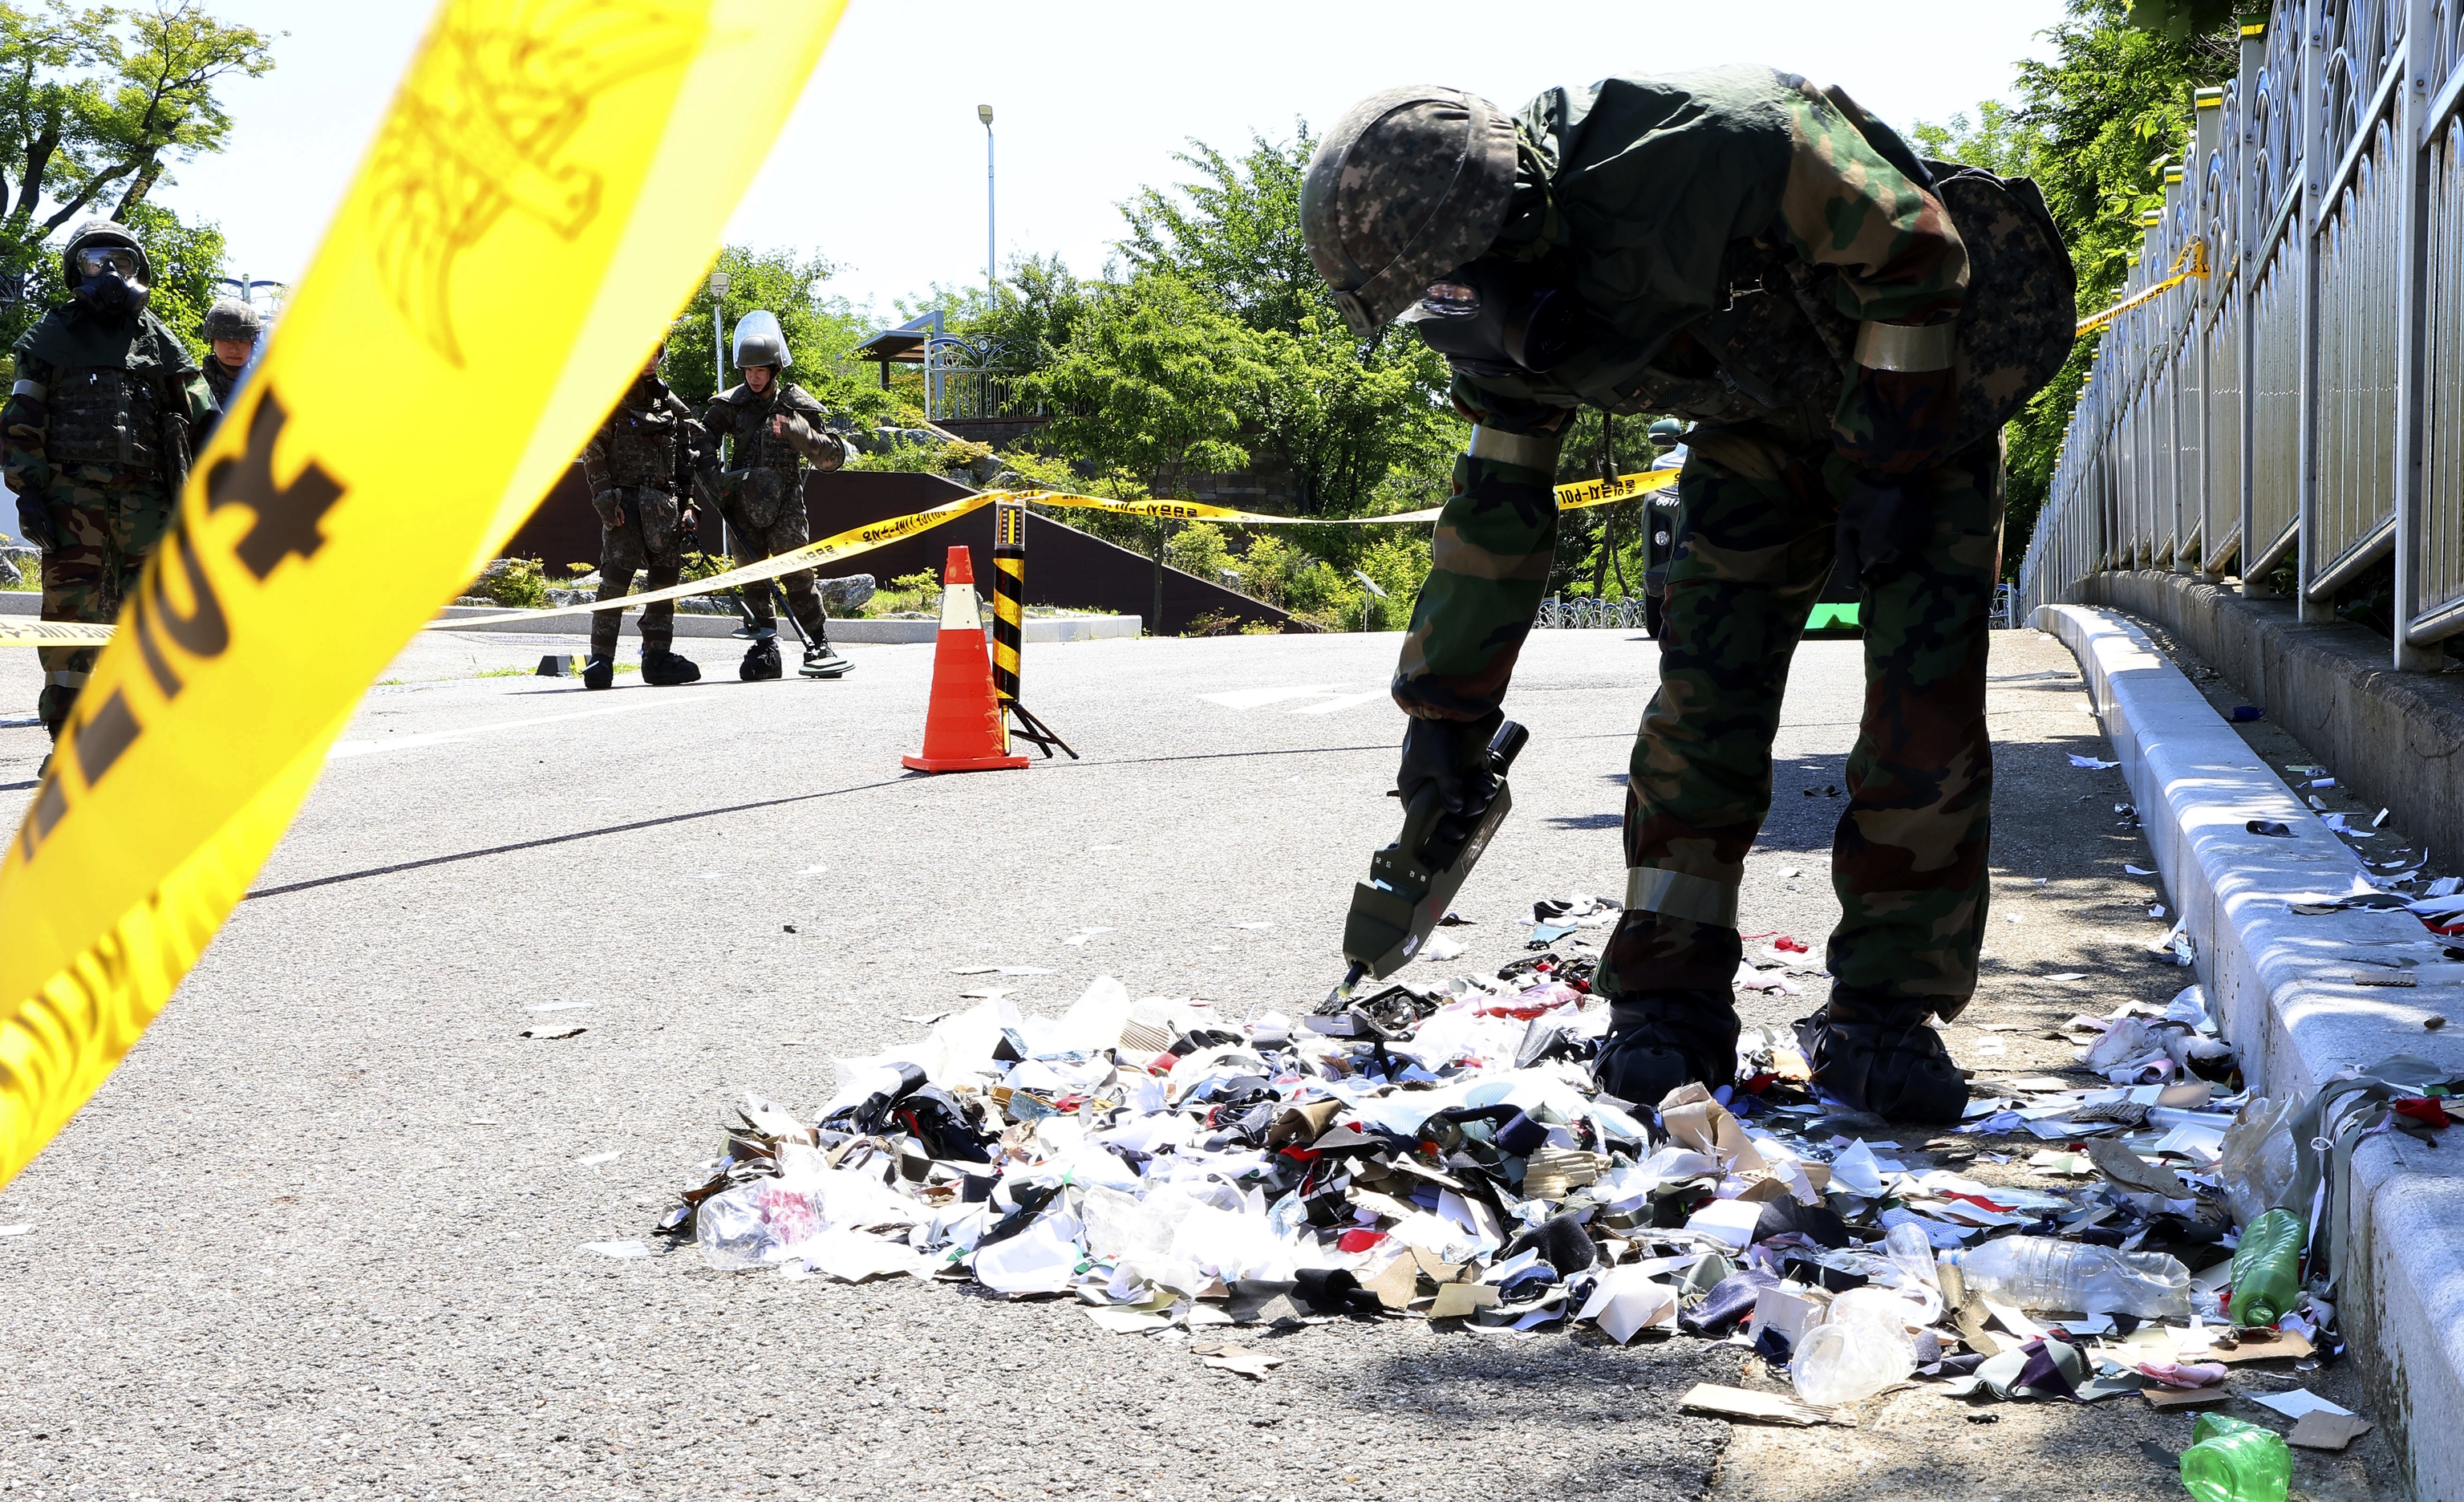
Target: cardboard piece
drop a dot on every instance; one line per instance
(2186, 1397)
(1693, 1119)
(1455, 1300)
(2286, 1346)
(2131, 1171)
(2323, 1430)
(1739, 1402)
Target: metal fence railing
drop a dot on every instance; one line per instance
(1582, 612)
(2303, 400)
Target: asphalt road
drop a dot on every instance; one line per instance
(322, 1233)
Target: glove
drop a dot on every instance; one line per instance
(34, 523)
(1882, 528)
(1454, 755)
(610, 505)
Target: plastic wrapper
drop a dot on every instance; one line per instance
(2254, 1163)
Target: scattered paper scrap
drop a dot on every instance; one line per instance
(2091, 763)
(1239, 1358)
(2299, 1401)
(617, 1248)
(1741, 1403)
(2323, 1430)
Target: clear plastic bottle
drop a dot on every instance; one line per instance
(1861, 1348)
(2267, 1269)
(2041, 1273)
(2231, 1460)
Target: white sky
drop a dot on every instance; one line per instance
(881, 166)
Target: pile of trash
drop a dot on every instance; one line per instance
(1439, 1152)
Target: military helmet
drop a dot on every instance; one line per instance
(104, 266)
(231, 318)
(759, 340)
(1408, 185)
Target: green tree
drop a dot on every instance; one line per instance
(2096, 125)
(1155, 384)
(821, 331)
(98, 100)
(1343, 413)
(187, 261)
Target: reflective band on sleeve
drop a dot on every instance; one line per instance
(65, 680)
(1651, 890)
(33, 388)
(1534, 451)
(1898, 346)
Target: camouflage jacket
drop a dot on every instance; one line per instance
(1697, 217)
(70, 346)
(741, 420)
(650, 439)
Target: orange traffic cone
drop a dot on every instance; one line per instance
(963, 728)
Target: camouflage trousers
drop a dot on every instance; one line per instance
(638, 530)
(785, 535)
(106, 525)
(1755, 547)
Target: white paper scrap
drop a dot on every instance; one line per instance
(1626, 1300)
(617, 1248)
(1730, 1220)
(2090, 762)
(2296, 1403)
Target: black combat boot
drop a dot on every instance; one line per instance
(761, 661)
(598, 673)
(1879, 1056)
(661, 667)
(1659, 1040)
(821, 662)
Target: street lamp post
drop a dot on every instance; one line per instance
(985, 113)
(718, 284)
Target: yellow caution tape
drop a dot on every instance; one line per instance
(829, 549)
(880, 534)
(2195, 253)
(547, 186)
(52, 633)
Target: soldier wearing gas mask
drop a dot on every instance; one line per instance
(230, 332)
(100, 428)
(640, 466)
(771, 429)
(1753, 253)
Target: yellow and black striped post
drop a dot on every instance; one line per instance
(1009, 628)
(1009, 598)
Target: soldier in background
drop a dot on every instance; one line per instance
(232, 328)
(100, 430)
(770, 428)
(1754, 253)
(640, 466)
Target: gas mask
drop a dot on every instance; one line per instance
(1496, 317)
(110, 277)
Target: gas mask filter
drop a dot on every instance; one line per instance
(110, 276)
(1497, 318)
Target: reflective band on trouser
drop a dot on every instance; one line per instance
(66, 680)
(1902, 347)
(1009, 597)
(1650, 890)
(1530, 450)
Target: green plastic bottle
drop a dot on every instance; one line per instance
(2267, 1269)
(2236, 1462)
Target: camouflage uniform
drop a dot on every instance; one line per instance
(89, 444)
(1722, 227)
(640, 466)
(760, 483)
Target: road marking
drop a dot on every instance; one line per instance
(344, 748)
(1260, 698)
(1347, 701)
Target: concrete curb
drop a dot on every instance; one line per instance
(2279, 985)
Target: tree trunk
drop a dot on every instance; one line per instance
(1601, 563)
(146, 178)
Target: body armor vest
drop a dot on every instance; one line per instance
(755, 448)
(100, 415)
(642, 447)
